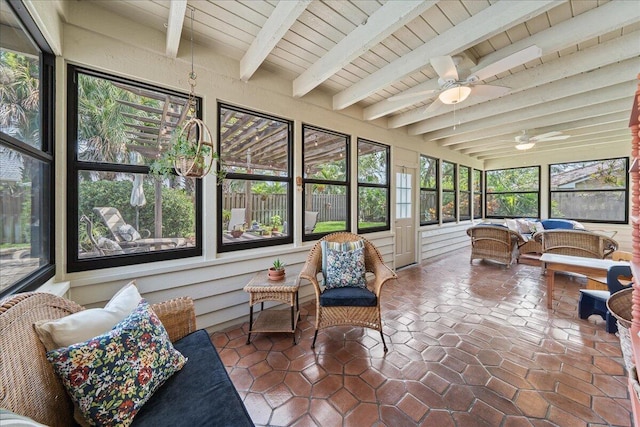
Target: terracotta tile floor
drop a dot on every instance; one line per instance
(468, 346)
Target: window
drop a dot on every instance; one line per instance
(255, 197)
(429, 204)
(590, 191)
(118, 213)
(26, 153)
(326, 181)
(373, 186)
(448, 191)
(477, 193)
(464, 189)
(513, 193)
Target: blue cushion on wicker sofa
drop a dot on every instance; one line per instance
(348, 296)
(557, 224)
(201, 394)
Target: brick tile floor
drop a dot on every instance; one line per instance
(469, 345)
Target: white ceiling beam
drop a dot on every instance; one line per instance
(599, 20)
(538, 96)
(177, 10)
(616, 50)
(380, 25)
(481, 26)
(279, 22)
(600, 102)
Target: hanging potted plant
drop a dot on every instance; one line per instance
(276, 272)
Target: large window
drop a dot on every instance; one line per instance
(448, 191)
(590, 191)
(26, 153)
(477, 193)
(513, 193)
(118, 213)
(373, 186)
(326, 182)
(464, 191)
(255, 198)
(429, 203)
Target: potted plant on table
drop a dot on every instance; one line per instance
(277, 272)
(276, 222)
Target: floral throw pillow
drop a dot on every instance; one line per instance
(345, 268)
(128, 233)
(110, 377)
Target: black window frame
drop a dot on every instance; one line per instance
(258, 243)
(625, 190)
(74, 166)
(45, 154)
(386, 186)
(468, 192)
(435, 190)
(487, 193)
(454, 191)
(346, 183)
(477, 215)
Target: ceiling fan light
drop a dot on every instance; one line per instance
(525, 145)
(455, 94)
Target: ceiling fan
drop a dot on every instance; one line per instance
(526, 141)
(453, 90)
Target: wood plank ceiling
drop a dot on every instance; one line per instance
(580, 83)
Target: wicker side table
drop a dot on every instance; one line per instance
(261, 289)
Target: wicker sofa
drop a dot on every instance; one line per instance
(200, 394)
(494, 242)
(576, 243)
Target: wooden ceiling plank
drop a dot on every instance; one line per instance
(177, 10)
(490, 21)
(279, 22)
(380, 25)
(581, 62)
(546, 117)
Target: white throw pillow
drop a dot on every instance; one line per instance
(512, 224)
(86, 324)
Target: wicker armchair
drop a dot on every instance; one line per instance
(576, 243)
(28, 384)
(494, 243)
(331, 315)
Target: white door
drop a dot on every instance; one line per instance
(405, 224)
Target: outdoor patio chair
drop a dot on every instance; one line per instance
(346, 297)
(237, 218)
(127, 236)
(310, 220)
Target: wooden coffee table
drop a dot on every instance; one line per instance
(573, 264)
(261, 289)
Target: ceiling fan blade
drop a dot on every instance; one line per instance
(505, 64)
(551, 138)
(435, 105)
(407, 95)
(489, 91)
(548, 134)
(445, 67)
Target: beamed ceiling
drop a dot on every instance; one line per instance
(569, 66)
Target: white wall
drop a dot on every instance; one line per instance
(91, 37)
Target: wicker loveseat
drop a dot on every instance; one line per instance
(201, 393)
(494, 242)
(575, 243)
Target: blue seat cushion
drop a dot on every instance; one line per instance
(201, 394)
(557, 224)
(348, 296)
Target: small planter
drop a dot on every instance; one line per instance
(237, 233)
(276, 275)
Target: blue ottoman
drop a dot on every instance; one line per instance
(595, 302)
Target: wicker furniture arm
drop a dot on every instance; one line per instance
(495, 243)
(178, 317)
(576, 243)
